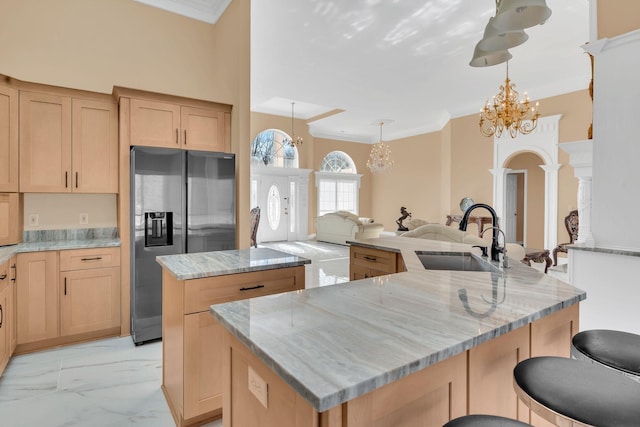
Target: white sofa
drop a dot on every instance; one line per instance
(449, 234)
(338, 227)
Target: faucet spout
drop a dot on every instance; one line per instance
(495, 247)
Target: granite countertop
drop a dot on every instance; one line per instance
(335, 343)
(7, 252)
(604, 249)
(219, 263)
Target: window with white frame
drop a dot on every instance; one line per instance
(337, 184)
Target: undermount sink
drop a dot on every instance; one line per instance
(456, 261)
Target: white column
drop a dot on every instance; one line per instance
(551, 205)
(499, 190)
(584, 211)
(581, 158)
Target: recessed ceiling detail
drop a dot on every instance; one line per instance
(203, 10)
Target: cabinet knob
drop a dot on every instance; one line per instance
(185, 137)
(177, 136)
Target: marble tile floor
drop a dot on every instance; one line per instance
(112, 382)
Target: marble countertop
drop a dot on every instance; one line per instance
(604, 250)
(219, 263)
(335, 343)
(7, 252)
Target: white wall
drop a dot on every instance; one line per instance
(616, 145)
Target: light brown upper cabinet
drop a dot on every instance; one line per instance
(157, 120)
(8, 139)
(68, 144)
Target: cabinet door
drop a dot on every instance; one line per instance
(5, 324)
(5, 314)
(14, 301)
(89, 300)
(45, 143)
(204, 130)
(37, 296)
(10, 218)
(203, 352)
(155, 124)
(95, 147)
(8, 139)
(491, 375)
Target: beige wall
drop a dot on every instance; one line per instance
(413, 182)
(58, 211)
(617, 17)
(97, 44)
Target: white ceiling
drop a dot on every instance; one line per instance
(405, 60)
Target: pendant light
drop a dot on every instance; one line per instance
(520, 14)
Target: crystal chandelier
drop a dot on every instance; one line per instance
(508, 112)
(380, 156)
(295, 140)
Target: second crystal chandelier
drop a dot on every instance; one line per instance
(380, 156)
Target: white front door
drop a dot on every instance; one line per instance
(274, 221)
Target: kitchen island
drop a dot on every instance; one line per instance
(414, 348)
(192, 340)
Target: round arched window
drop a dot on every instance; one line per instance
(272, 147)
(339, 162)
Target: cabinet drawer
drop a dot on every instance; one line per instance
(374, 258)
(82, 259)
(201, 293)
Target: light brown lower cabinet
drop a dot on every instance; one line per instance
(367, 262)
(7, 313)
(192, 340)
(67, 296)
(479, 380)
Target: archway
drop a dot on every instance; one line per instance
(543, 142)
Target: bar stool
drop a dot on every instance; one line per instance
(484, 421)
(613, 349)
(569, 392)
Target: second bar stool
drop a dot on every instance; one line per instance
(613, 349)
(569, 392)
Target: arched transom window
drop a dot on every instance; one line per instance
(272, 148)
(339, 162)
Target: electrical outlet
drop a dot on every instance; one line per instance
(33, 220)
(84, 218)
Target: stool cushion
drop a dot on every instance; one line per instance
(616, 349)
(484, 421)
(580, 390)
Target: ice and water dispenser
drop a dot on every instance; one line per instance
(158, 229)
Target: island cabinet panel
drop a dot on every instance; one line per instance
(491, 375)
(430, 397)
(259, 397)
(369, 262)
(192, 340)
(8, 139)
(551, 336)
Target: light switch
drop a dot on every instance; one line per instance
(258, 387)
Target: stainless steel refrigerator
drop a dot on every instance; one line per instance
(181, 202)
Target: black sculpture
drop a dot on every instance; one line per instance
(404, 216)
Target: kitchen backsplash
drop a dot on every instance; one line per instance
(70, 234)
